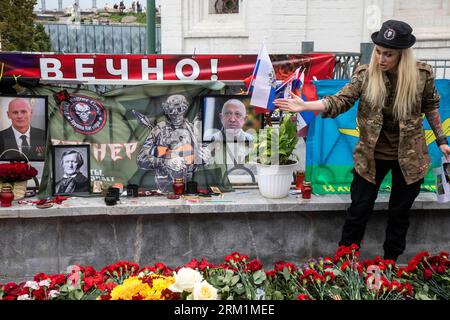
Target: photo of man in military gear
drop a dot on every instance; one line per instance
(172, 147)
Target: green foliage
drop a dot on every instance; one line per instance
(18, 31)
(141, 18)
(276, 145)
(68, 292)
(237, 283)
(41, 40)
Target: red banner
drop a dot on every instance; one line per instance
(97, 68)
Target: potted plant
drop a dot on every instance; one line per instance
(274, 153)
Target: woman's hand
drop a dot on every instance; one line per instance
(294, 104)
(445, 149)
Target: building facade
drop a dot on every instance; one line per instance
(240, 26)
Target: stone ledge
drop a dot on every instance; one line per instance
(240, 201)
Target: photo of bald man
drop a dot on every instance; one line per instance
(24, 132)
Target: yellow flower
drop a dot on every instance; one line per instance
(148, 288)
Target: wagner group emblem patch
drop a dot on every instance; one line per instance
(389, 34)
(84, 114)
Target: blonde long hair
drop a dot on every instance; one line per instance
(406, 89)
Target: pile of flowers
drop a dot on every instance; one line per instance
(142, 287)
(16, 171)
(343, 277)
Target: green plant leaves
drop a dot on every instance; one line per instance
(259, 277)
(276, 145)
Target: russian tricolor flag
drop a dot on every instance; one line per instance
(263, 83)
(295, 83)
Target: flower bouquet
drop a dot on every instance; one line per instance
(15, 175)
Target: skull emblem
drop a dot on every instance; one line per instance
(83, 111)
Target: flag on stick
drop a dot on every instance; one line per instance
(263, 83)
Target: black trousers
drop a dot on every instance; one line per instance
(364, 194)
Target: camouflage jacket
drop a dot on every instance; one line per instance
(413, 154)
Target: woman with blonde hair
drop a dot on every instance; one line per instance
(394, 90)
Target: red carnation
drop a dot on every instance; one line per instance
(408, 289)
(39, 294)
(193, 264)
(89, 271)
(236, 257)
(345, 265)
(255, 265)
(280, 265)
(41, 276)
(318, 278)
(203, 264)
(160, 266)
(329, 276)
(10, 287)
(148, 268)
(401, 272)
(441, 269)
(88, 283)
(106, 296)
(57, 279)
(137, 297)
(427, 274)
(271, 274)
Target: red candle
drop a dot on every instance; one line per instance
(299, 178)
(6, 197)
(178, 186)
(306, 190)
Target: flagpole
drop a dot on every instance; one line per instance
(254, 68)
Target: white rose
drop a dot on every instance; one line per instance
(185, 279)
(32, 285)
(204, 291)
(45, 283)
(24, 297)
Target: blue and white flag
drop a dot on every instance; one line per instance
(263, 84)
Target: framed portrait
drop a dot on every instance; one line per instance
(71, 170)
(23, 127)
(229, 118)
(231, 125)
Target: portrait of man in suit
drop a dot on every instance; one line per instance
(21, 135)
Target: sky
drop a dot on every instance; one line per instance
(85, 4)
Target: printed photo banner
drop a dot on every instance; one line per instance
(330, 144)
(146, 135)
(130, 68)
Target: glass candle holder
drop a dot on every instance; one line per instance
(6, 196)
(299, 178)
(178, 186)
(132, 190)
(306, 190)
